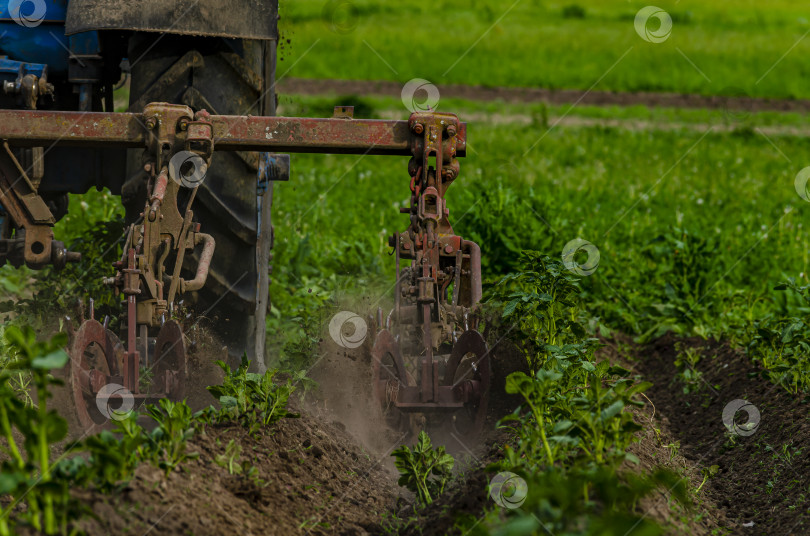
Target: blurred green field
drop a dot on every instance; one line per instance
(715, 47)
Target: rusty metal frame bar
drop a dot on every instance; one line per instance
(34, 128)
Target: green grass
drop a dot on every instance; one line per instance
(694, 227)
(530, 43)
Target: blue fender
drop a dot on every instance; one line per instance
(33, 31)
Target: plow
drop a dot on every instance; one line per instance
(430, 330)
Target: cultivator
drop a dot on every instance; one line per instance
(431, 329)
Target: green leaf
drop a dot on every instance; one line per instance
(612, 410)
(54, 360)
(9, 480)
(510, 308)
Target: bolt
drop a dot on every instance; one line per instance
(151, 123)
(448, 249)
(418, 128)
(451, 131)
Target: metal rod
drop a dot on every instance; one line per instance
(231, 133)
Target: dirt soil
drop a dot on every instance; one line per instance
(383, 88)
(330, 471)
(314, 479)
(763, 479)
(344, 398)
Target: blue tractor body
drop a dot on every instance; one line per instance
(43, 44)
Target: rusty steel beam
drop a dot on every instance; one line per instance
(230, 133)
(39, 128)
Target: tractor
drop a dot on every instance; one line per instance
(200, 132)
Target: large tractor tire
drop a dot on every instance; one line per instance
(226, 77)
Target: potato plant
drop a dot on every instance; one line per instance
(424, 470)
(26, 472)
(572, 433)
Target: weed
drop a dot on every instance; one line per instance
(673, 449)
(230, 458)
(686, 363)
(707, 472)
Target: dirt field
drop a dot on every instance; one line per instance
(330, 471)
(306, 86)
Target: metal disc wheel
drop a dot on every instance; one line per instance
(469, 367)
(96, 354)
(168, 370)
(388, 376)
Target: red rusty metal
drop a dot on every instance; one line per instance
(204, 265)
(159, 192)
(425, 320)
(95, 361)
(230, 133)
